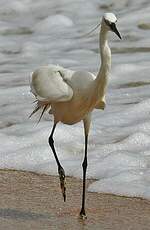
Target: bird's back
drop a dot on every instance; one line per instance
(81, 81)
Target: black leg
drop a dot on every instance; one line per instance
(84, 165)
(60, 168)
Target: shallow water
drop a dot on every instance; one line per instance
(39, 33)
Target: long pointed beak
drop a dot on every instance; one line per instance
(114, 29)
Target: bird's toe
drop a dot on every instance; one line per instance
(83, 215)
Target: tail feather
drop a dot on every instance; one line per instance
(34, 111)
(44, 109)
(40, 105)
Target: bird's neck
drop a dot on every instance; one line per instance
(105, 53)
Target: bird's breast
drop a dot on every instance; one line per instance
(74, 110)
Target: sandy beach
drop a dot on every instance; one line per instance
(33, 201)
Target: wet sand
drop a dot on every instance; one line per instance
(33, 201)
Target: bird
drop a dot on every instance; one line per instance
(71, 96)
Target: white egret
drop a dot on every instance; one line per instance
(71, 96)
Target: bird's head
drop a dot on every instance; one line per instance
(109, 21)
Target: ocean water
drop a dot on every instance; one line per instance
(34, 33)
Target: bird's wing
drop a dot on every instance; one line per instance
(80, 80)
(49, 83)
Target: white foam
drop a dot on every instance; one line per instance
(53, 21)
(119, 142)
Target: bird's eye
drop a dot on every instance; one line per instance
(108, 23)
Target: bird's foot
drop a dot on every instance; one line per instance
(83, 216)
(62, 182)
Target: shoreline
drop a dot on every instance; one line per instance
(34, 201)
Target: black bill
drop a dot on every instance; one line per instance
(114, 29)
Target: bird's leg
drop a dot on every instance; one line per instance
(87, 122)
(84, 165)
(60, 168)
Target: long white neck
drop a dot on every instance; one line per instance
(105, 53)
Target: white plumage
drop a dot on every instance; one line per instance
(53, 84)
(49, 83)
(72, 95)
